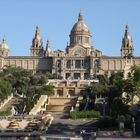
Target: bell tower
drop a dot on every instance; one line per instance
(127, 44)
(4, 50)
(37, 44)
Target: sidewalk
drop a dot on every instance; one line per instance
(117, 138)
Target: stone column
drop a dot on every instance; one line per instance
(65, 92)
(81, 64)
(55, 92)
(77, 90)
(91, 67)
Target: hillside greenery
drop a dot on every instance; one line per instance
(26, 86)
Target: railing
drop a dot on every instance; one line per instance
(38, 106)
(2, 104)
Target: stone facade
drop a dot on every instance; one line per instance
(69, 88)
(80, 61)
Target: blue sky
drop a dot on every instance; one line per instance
(106, 20)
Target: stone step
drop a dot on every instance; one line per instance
(58, 108)
(60, 104)
(62, 101)
(61, 97)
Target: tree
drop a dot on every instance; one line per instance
(119, 108)
(43, 79)
(103, 79)
(5, 89)
(47, 90)
(116, 102)
(132, 84)
(91, 92)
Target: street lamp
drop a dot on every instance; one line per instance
(104, 101)
(133, 125)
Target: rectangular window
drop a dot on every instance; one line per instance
(68, 64)
(76, 75)
(86, 75)
(78, 64)
(86, 64)
(68, 75)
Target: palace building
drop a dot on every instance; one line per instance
(80, 61)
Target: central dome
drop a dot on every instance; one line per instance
(80, 34)
(80, 26)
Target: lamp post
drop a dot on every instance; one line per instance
(104, 107)
(87, 102)
(133, 125)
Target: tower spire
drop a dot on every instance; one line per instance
(4, 39)
(127, 44)
(48, 44)
(80, 18)
(48, 49)
(37, 44)
(37, 32)
(127, 30)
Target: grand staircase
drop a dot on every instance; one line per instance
(60, 105)
(38, 107)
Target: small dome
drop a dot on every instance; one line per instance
(4, 44)
(80, 26)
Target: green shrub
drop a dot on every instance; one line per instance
(84, 114)
(5, 113)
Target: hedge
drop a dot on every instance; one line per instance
(84, 114)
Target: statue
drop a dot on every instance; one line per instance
(68, 95)
(57, 95)
(13, 111)
(82, 77)
(72, 109)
